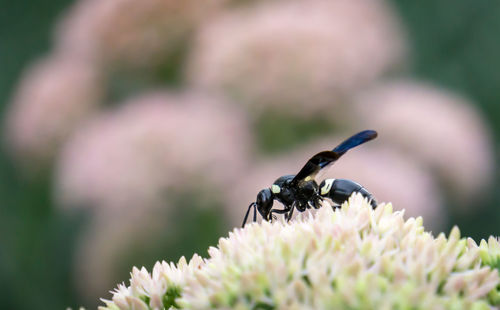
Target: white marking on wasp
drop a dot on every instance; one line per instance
(328, 185)
(275, 189)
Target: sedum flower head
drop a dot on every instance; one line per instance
(55, 96)
(351, 258)
(301, 56)
(399, 110)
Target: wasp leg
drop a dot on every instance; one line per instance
(288, 216)
(339, 190)
(316, 202)
(277, 211)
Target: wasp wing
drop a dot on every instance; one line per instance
(314, 165)
(325, 158)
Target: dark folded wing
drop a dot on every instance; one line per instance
(325, 158)
(357, 139)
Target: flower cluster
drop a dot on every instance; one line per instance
(354, 257)
(55, 97)
(126, 158)
(401, 110)
(302, 56)
(129, 34)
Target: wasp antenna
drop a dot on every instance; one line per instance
(248, 211)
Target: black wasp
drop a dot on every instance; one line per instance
(301, 191)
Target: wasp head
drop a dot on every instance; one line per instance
(264, 202)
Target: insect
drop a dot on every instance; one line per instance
(301, 191)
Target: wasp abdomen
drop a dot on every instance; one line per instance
(339, 190)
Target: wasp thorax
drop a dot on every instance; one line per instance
(309, 188)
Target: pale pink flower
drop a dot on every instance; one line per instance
(53, 98)
(130, 33)
(355, 257)
(439, 127)
(384, 171)
(298, 55)
(129, 157)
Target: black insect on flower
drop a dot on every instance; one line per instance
(301, 192)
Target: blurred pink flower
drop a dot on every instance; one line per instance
(54, 96)
(442, 129)
(300, 55)
(130, 33)
(388, 174)
(131, 156)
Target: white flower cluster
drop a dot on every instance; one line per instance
(351, 258)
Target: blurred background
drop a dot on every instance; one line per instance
(137, 131)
